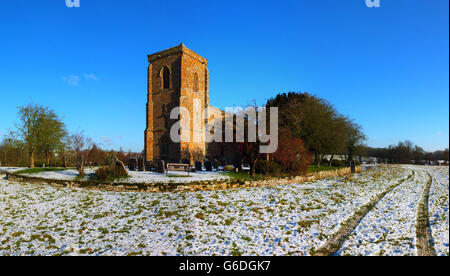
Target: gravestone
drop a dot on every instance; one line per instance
(141, 164)
(132, 162)
(208, 166)
(198, 166)
(216, 163)
(161, 167)
(238, 165)
(148, 166)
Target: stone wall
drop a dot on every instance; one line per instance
(179, 187)
(189, 80)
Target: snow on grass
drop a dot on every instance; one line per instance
(69, 174)
(389, 229)
(438, 209)
(282, 220)
(175, 177)
(135, 176)
(291, 219)
(10, 169)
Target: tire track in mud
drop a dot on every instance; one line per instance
(423, 230)
(339, 237)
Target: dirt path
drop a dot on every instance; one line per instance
(423, 230)
(338, 238)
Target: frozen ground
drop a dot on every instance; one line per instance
(389, 229)
(438, 210)
(182, 177)
(135, 176)
(10, 169)
(285, 220)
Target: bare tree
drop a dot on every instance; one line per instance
(192, 155)
(11, 150)
(445, 155)
(186, 155)
(197, 155)
(82, 146)
(336, 136)
(355, 138)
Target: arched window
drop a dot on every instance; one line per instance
(166, 78)
(195, 82)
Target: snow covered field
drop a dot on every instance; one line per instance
(389, 229)
(135, 176)
(283, 220)
(438, 204)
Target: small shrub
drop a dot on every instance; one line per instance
(292, 154)
(112, 172)
(102, 173)
(268, 168)
(297, 167)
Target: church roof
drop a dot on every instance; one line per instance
(176, 50)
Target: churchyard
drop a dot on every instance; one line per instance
(380, 208)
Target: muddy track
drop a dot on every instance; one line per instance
(338, 238)
(423, 231)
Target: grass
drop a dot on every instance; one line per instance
(243, 176)
(39, 170)
(314, 168)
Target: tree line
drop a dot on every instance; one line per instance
(310, 128)
(40, 137)
(407, 153)
(318, 125)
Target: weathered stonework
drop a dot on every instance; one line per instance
(188, 77)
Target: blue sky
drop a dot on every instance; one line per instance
(386, 67)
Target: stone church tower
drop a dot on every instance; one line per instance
(176, 77)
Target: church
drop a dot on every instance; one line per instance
(178, 77)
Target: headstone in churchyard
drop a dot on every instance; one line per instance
(148, 166)
(216, 163)
(141, 164)
(198, 166)
(132, 162)
(238, 165)
(208, 166)
(161, 167)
